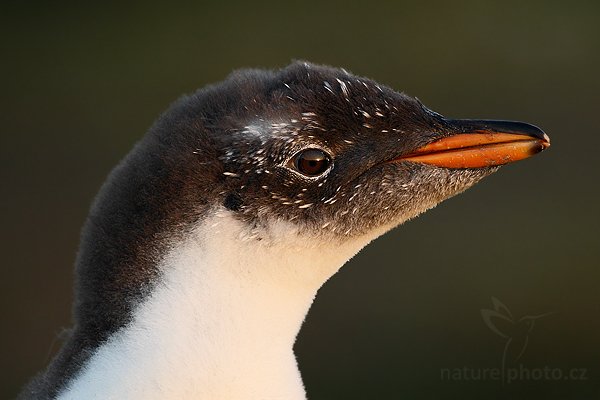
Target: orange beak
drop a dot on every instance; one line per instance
(482, 144)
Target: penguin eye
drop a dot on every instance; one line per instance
(311, 162)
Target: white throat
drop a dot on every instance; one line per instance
(221, 321)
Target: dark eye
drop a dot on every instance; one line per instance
(311, 162)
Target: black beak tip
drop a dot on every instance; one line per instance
(514, 127)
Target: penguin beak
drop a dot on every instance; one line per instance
(481, 143)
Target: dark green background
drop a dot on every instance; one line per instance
(81, 84)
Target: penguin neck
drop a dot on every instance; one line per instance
(222, 319)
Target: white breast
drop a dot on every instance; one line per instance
(222, 320)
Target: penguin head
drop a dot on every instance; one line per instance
(324, 150)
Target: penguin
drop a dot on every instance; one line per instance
(205, 247)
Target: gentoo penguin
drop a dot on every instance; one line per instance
(204, 249)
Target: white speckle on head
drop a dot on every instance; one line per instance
(308, 116)
(344, 88)
(254, 130)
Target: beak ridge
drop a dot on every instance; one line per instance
(499, 126)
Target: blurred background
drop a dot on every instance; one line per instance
(81, 84)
